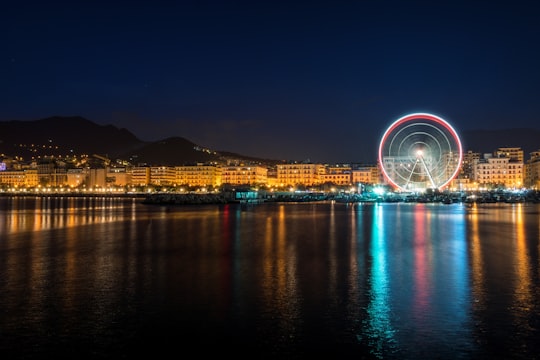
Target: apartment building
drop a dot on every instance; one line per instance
(338, 175)
(13, 178)
(467, 165)
(140, 176)
(198, 175)
(366, 175)
(531, 177)
(244, 175)
(118, 176)
(162, 175)
(295, 174)
(76, 177)
(503, 171)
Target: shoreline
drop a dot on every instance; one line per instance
(70, 194)
(230, 198)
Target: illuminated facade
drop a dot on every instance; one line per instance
(31, 177)
(470, 158)
(498, 171)
(338, 175)
(162, 175)
(532, 171)
(140, 176)
(76, 177)
(198, 175)
(296, 174)
(244, 175)
(15, 178)
(271, 177)
(366, 175)
(118, 176)
(97, 178)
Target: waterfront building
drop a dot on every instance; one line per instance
(198, 175)
(498, 171)
(97, 178)
(31, 177)
(13, 178)
(45, 169)
(532, 171)
(140, 176)
(244, 175)
(451, 159)
(299, 173)
(51, 175)
(338, 175)
(76, 177)
(162, 175)
(58, 177)
(118, 176)
(366, 175)
(19, 178)
(466, 173)
(271, 177)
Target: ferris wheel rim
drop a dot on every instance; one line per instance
(423, 116)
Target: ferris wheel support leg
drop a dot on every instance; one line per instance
(410, 175)
(428, 173)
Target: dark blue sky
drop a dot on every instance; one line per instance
(318, 80)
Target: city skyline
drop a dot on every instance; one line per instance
(417, 151)
(325, 78)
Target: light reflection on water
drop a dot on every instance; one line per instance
(112, 276)
(419, 283)
(378, 325)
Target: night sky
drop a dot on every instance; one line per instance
(317, 80)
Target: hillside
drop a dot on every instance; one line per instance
(64, 135)
(169, 152)
(74, 135)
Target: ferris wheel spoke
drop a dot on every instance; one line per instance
(410, 174)
(427, 171)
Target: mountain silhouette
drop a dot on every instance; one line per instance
(64, 135)
(75, 135)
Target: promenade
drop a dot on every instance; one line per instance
(249, 196)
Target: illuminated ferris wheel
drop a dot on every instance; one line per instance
(420, 151)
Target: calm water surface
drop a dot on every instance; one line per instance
(114, 278)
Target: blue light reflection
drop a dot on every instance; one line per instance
(378, 325)
(418, 295)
